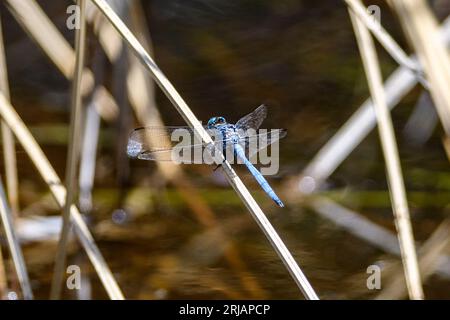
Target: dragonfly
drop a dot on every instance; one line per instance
(239, 141)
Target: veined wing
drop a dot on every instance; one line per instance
(253, 143)
(197, 154)
(179, 144)
(153, 139)
(169, 144)
(253, 120)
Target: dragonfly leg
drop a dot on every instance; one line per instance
(218, 166)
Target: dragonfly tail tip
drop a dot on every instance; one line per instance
(279, 203)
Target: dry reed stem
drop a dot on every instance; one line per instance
(73, 153)
(383, 36)
(421, 27)
(14, 246)
(389, 146)
(40, 28)
(23, 135)
(9, 148)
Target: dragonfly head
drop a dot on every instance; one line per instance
(216, 121)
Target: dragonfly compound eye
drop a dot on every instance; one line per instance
(212, 122)
(220, 120)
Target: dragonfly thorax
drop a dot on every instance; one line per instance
(226, 133)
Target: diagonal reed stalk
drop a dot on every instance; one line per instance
(73, 153)
(350, 135)
(384, 38)
(40, 28)
(389, 146)
(193, 122)
(9, 149)
(37, 24)
(421, 27)
(14, 246)
(23, 135)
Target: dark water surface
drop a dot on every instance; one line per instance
(225, 58)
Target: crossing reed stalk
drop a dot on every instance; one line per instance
(73, 153)
(383, 36)
(421, 27)
(389, 146)
(14, 246)
(9, 148)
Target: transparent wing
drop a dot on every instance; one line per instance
(182, 154)
(157, 143)
(254, 143)
(179, 144)
(253, 120)
(154, 139)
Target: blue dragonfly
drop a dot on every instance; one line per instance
(240, 141)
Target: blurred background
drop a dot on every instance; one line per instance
(190, 236)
